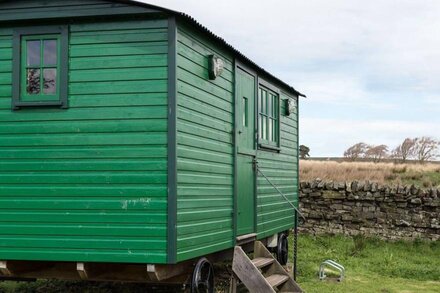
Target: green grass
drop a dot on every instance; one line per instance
(425, 179)
(371, 265)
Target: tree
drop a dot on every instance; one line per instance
(304, 152)
(356, 151)
(405, 150)
(425, 149)
(376, 153)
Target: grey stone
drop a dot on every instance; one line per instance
(329, 185)
(416, 201)
(403, 223)
(393, 213)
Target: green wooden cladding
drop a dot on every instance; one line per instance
(204, 148)
(205, 163)
(24, 10)
(92, 182)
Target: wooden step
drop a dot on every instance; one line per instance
(251, 275)
(261, 262)
(243, 239)
(276, 280)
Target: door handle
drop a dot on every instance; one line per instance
(240, 132)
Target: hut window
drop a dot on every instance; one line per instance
(268, 118)
(40, 67)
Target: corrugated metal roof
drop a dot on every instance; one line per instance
(194, 22)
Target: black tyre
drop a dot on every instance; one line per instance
(202, 280)
(283, 249)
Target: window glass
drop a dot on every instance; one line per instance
(269, 104)
(270, 130)
(33, 81)
(245, 111)
(264, 103)
(274, 130)
(41, 67)
(50, 81)
(50, 52)
(260, 126)
(274, 108)
(264, 130)
(33, 51)
(260, 95)
(268, 120)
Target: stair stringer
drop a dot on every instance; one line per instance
(249, 274)
(276, 268)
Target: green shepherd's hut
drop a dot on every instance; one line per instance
(133, 137)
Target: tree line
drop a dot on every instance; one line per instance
(420, 149)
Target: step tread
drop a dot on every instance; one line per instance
(276, 279)
(261, 262)
(246, 236)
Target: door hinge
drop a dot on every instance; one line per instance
(255, 164)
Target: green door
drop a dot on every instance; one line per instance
(245, 127)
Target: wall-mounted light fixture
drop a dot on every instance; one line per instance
(291, 105)
(216, 66)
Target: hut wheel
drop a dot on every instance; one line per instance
(282, 249)
(203, 277)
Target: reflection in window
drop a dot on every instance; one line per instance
(50, 81)
(33, 81)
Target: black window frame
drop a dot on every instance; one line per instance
(264, 144)
(63, 32)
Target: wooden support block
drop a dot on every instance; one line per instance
(81, 268)
(164, 272)
(4, 270)
(151, 270)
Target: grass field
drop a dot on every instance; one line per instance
(371, 265)
(427, 175)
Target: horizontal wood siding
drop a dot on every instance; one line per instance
(274, 214)
(43, 9)
(90, 183)
(205, 149)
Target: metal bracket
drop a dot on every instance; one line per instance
(334, 265)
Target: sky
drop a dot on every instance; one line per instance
(370, 69)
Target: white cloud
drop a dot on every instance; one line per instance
(378, 55)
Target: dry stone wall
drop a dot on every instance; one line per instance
(394, 213)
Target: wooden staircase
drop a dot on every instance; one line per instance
(262, 274)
